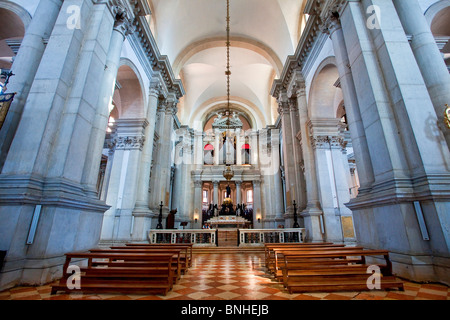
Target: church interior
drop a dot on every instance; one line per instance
(225, 149)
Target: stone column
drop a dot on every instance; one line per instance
(296, 153)
(118, 222)
(198, 149)
(216, 192)
(25, 66)
(429, 59)
(162, 169)
(142, 213)
(355, 124)
(312, 214)
(217, 137)
(257, 207)
(289, 165)
(254, 148)
(321, 143)
(238, 147)
(277, 192)
(197, 204)
(122, 27)
(238, 192)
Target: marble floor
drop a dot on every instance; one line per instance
(235, 276)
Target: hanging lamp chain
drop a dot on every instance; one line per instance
(228, 72)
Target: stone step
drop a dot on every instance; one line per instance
(227, 249)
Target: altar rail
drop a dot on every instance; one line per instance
(198, 237)
(257, 237)
(208, 237)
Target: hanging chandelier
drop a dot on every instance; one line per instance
(228, 173)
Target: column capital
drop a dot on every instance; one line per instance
(297, 85)
(293, 105)
(123, 18)
(198, 183)
(283, 104)
(155, 89)
(331, 23)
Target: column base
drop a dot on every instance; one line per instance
(312, 218)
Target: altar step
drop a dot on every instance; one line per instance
(230, 249)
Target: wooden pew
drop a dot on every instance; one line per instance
(177, 263)
(308, 271)
(185, 254)
(164, 245)
(155, 276)
(274, 262)
(269, 246)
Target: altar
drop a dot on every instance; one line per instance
(228, 222)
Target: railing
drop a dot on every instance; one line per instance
(208, 237)
(199, 237)
(257, 237)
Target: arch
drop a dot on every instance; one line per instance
(434, 9)
(129, 96)
(438, 16)
(21, 12)
(239, 42)
(323, 90)
(15, 22)
(198, 120)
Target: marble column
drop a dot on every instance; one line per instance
(296, 153)
(238, 146)
(197, 204)
(216, 192)
(217, 137)
(323, 144)
(429, 58)
(122, 27)
(162, 166)
(25, 66)
(254, 148)
(277, 192)
(119, 220)
(312, 214)
(289, 165)
(257, 205)
(355, 124)
(142, 213)
(238, 192)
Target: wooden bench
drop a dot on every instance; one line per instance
(177, 262)
(165, 245)
(274, 262)
(154, 277)
(325, 271)
(269, 246)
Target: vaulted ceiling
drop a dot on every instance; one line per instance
(192, 33)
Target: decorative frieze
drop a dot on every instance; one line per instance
(327, 142)
(129, 142)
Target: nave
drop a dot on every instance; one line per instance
(227, 275)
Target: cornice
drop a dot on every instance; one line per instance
(319, 11)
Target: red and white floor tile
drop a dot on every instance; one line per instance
(237, 276)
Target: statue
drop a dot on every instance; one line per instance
(228, 191)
